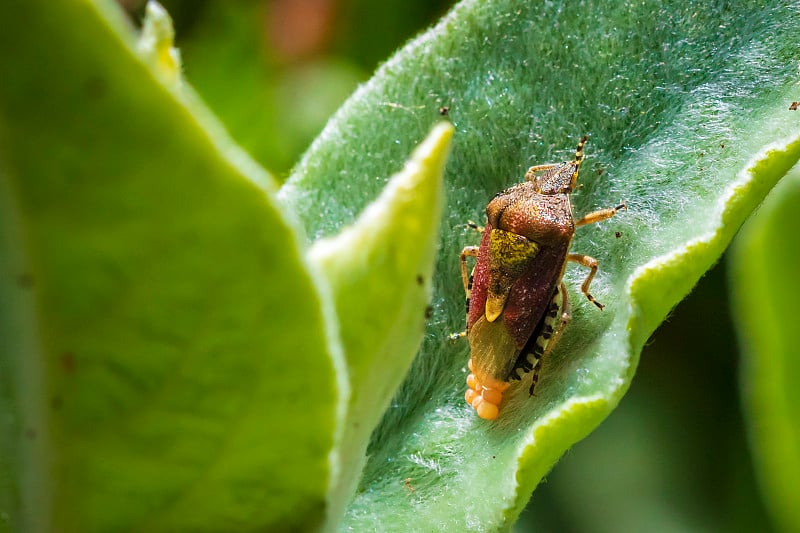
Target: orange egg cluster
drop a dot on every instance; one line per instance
(484, 397)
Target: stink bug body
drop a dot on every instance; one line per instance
(517, 304)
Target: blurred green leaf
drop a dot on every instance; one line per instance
(167, 364)
(765, 284)
(369, 32)
(273, 108)
(686, 105)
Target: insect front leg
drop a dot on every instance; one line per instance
(591, 263)
(602, 214)
(466, 279)
(530, 175)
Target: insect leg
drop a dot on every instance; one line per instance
(599, 215)
(466, 278)
(530, 175)
(588, 262)
(472, 225)
(566, 316)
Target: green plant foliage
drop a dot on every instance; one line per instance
(175, 356)
(272, 108)
(686, 106)
(765, 284)
(384, 261)
(171, 364)
(166, 361)
(673, 455)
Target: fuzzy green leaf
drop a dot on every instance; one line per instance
(380, 272)
(157, 317)
(687, 109)
(765, 288)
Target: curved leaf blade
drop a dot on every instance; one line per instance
(380, 271)
(158, 318)
(765, 287)
(686, 147)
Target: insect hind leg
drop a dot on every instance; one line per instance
(566, 316)
(537, 349)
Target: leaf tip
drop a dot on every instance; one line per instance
(156, 43)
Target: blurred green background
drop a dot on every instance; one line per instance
(275, 71)
(673, 457)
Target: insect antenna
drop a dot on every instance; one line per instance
(578, 160)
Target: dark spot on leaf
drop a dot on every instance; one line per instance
(420, 280)
(428, 311)
(618, 234)
(444, 110)
(25, 281)
(722, 145)
(68, 362)
(794, 106)
(96, 88)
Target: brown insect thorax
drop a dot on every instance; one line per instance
(523, 210)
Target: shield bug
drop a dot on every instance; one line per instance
(517, 304)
